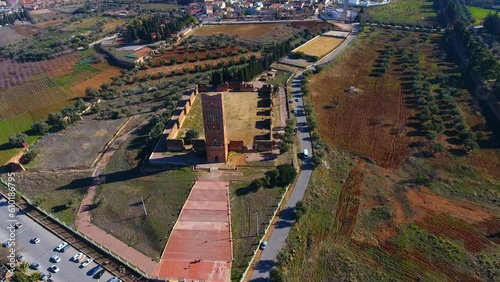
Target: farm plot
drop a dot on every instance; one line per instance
(244, 30)
(346, 119)
(29, 96)
(12, 74)
(405, 12)
(94, 81)
(20, 123)
(9, 36)
(320, 46)
(77, 147)
(27, 30)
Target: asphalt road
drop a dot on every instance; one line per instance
(41, 252)
(286, 218)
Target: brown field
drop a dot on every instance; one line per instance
(26, 30)
(180, 52)
(345, 119)
(320, 46)
(12, 73)
(247, 30)
(95, 81)
(50, 23)
(242, 119)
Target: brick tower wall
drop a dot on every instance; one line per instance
(215, 127)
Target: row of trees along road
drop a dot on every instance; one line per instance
(481, 62)
(156, 27)
(254, 67)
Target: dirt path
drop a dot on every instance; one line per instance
(83, 217)
(349, 201)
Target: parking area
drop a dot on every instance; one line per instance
(42, 251)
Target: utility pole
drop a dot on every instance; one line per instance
(144, 206)
(257, 234)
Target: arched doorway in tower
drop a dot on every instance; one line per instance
(216, 159)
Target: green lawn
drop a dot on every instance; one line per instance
(194, 120)
(20, 123)
(479, 14)
(408, 12)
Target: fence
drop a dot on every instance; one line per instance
(278, 208)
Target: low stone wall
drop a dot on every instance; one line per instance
(172, 130)
(236, 146)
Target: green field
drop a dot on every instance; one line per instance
(479, 14)
(20, 123)
(406, 12)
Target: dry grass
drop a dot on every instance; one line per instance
(320, 46)
(345, 118)
(242, 119)
(95, 81)
(77, 147)
(248, 30)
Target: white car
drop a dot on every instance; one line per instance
(114, 279)
(61, 246)
(77, 257)
(54, 269)
(55, 258)
(35, 240)
(86, 262)
(263, 245)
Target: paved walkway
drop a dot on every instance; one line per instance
(199, 247)
(84, 216)
(283, 111)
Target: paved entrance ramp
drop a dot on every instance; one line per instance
(199, 247)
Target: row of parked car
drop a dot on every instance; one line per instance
(80, 258)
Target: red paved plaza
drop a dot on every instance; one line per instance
(199, 246)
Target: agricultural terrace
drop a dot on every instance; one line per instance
(320, 46)
(244, 30)
(404, 12)
(479, 13)
(30, 91)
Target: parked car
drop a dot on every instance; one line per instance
(82, 258)
(20, 257)
(54, 269)
(45, 277)
(55, 258)
(86, 262)
(65, 248)
(18, 225)
(77, 257)
(263, 245)
(296, 99)
(35, 240)
(61, 246)
(99, 274)
(35, 266)
(7, 244)
(95, 270)
(114, 279)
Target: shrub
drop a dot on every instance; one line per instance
(191, 134)
(18, 139)
(40, 127)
